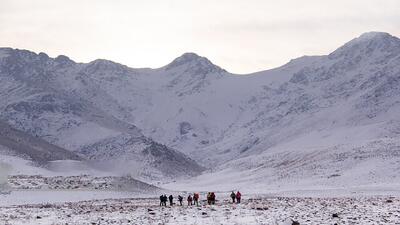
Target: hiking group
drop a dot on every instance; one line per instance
(237, 197)
(195, 198)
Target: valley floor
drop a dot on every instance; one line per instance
(266, 210)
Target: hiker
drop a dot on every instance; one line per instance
(196, 197)
(212, 198)
(238, 197)
(233, 197)
(165, 200)
(161, 200)
(171, 199)
(189, 200)
(180, 199)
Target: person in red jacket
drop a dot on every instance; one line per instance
(196, 197)
(238, 197)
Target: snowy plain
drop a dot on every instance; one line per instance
(254, 211)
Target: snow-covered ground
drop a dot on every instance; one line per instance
(267, 210)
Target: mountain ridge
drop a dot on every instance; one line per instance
(192, 56)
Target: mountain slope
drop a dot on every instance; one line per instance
(34, 148)
(314, 107)
(58, 100)
(235, 116)
(332, 121)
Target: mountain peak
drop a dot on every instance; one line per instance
(188, 57)
(374, 35)
(105, 66)
(368, 43)
(63, 59)
(193, 61)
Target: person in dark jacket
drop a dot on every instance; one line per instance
(171, 200)
(161, 200)
(189, 200)
(180, 199)
(233, 197)
(213, 198)
(165, 199)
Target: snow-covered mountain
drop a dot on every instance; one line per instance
(59, 101)
(315, 117)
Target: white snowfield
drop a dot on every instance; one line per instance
(346, 169)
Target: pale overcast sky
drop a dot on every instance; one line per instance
(239, 35)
